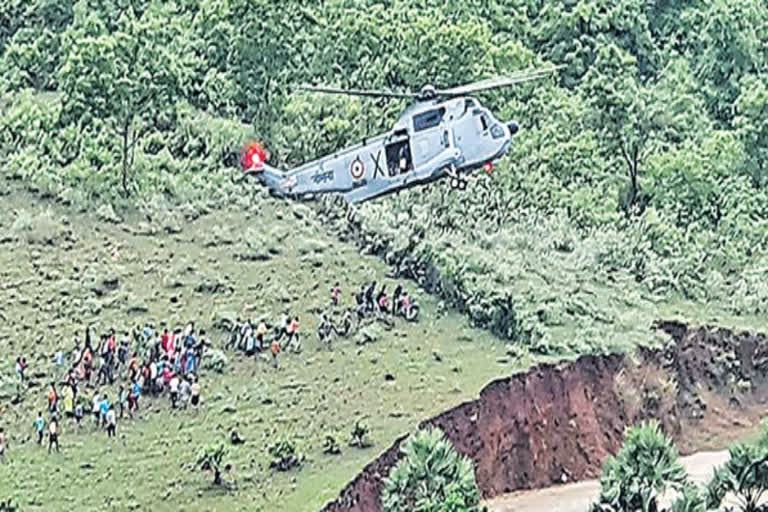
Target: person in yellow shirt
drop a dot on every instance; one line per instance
(261, 332)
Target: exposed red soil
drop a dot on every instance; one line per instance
(558, 423)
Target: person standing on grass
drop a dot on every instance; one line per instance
(275, 351)
(261, 332)
(53, 399)
(174, 390)
(79, 413)
(3, 444)
(21, 367)
(39, 427)
(111, 421)
(184, 391)
(293, 335)
(133, 399)
(123, 398)
(194, 393)
(53, 434)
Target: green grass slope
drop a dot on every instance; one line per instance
(54, 262)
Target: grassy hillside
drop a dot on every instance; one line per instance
(55, 262)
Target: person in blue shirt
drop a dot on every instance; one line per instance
(40, 427)
(133, 398)
(103, 409)
(191, 362)
(191, 340)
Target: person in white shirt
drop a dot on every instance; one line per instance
(184, 389)
(111, 422)
(174, 388)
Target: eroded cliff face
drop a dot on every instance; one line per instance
(558, 423)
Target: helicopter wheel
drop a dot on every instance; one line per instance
(454, 183)
(462, 184)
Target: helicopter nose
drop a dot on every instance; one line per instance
(513, 127)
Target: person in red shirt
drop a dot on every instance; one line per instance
(336, 294)
(165, 339)
(275, 351)
(53, 398)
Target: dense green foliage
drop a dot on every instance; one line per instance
(431, 477)
(643, 162)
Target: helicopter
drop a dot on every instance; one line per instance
(443, 133)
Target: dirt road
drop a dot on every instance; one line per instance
(577, 497)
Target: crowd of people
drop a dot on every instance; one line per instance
(368, 299)
(149, 363)
(165, 362)
(253, 337)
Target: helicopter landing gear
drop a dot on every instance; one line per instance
(458, 184)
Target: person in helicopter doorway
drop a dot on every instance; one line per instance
(403, 159)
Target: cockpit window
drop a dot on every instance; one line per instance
(428, 119)
(497, 131)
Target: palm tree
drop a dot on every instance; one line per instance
(431, 477)
(745, 475)
(644, 468)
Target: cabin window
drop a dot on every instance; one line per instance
(497, 131)
(428, 119)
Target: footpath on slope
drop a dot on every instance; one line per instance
(577, 497)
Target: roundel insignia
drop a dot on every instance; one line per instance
(357, 169)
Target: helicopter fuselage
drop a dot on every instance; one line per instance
(431, 140)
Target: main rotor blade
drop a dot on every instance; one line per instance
(357, 92)
(494, 83)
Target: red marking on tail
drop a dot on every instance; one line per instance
(253, 157)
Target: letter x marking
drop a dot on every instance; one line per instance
(378, 167)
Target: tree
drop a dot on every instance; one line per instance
(751, 124)
(636, 116)
(727, 42)
(122, 66)
(644, 468)
(745, 475)
(211, 459)
(431, 477)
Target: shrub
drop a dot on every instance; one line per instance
(284, 455)
(215, 360)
